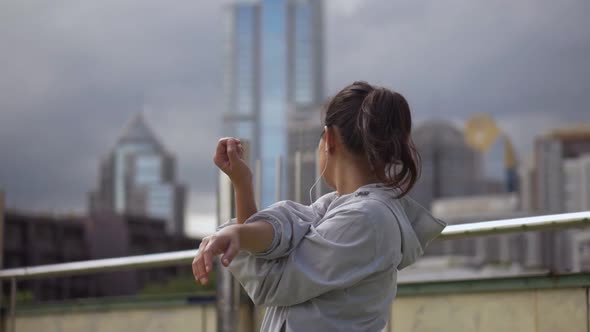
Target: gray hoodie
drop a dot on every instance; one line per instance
(332, 266)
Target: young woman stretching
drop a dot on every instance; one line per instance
(330, 266)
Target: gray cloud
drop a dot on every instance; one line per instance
(525, 62)
(443, 44)
(74, 73)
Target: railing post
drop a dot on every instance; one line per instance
(228, 288)
(389, 325)
(258, 182)
(279, 179)
(318, 174)
(297, 176)
(2, 316)
(12, 313)
(227, 314)
(1, 232)
(204, 317)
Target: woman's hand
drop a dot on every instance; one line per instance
(226, 242)
(229, 158)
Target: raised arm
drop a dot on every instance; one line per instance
(245, 203)
(229, 158)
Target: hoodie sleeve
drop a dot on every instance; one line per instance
(290, 221)
(344, 249)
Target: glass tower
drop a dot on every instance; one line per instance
(273, 68)
(138, 178)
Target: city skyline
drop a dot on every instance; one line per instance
(274, 67)
(69, 80)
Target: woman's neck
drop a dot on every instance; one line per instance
(353, 174)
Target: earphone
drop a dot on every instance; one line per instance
(322, 174)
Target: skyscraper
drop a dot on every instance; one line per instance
(561, 181)
(138, 178)
(558, 156)
(274, 59)
(577, 183)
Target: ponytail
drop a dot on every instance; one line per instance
(377, 122)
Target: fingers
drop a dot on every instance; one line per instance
(203, 262)
(226, 243)
(198, 266)
(222, 156)
(221, 146)
(230, 253)
(220, 151)
(208, 259)
(194, 267)
(198, 270)
(233, 150)
(240, 150)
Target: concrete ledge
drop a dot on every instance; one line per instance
(117, 303)
(495, 284)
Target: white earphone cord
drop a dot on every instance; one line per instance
(317, 180)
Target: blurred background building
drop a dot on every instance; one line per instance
(476, 160)
(305, 128)
(37, 239)
(561, 170)
(450, 167)
(556, 180)
(499, 160)
(138, 177)
(274, 67)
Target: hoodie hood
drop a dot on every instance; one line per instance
(418, 227)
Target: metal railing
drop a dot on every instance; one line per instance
(547, 222)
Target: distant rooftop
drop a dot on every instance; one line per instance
(137, 131)
(575, 131)
(438, 131)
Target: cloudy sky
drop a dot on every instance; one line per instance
(73, 73)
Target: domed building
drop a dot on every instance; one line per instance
(450, 167)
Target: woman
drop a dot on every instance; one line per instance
(330, 266)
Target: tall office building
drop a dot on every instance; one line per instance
(138, 178)
(274, 63)
(562, 185)
(527, 184)
(556, 154)
(450, 168)
(576, 173)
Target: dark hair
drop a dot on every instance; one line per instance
(376, 122)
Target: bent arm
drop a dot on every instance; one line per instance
(337, 254)
(255, 237)
(289, 220)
